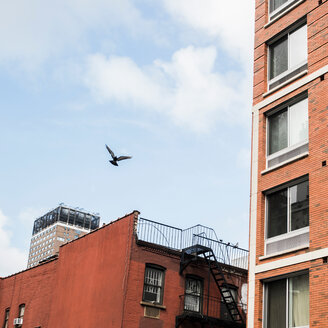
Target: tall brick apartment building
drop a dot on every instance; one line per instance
(288, 271)
(132, 273)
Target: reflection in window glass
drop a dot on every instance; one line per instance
(298, 122)
(278, 138)
(278, 57)
(299, 205)
(274, 4)
(298, 46)
(277, 213)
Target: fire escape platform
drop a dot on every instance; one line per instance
(206, 321)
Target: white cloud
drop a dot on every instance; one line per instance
(188, 89)
(29, 214)
(12, 258)
(32, 31)
(229, 21)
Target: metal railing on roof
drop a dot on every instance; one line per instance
(178, 239)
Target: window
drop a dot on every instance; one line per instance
(21, 311)
(274, 4)
(226, 291)
(193, 295)
(276, 7)
(287, 132)
(287, 302)
(288, 56)
(5, 324)
(153, 284)
(288, 209)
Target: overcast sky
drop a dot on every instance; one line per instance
(167, 81)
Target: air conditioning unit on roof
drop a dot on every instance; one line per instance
(18, 321)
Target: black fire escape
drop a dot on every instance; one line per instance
(195, 253)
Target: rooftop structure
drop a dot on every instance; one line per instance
(57, 227)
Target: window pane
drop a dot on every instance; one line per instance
(298, 47)
(278, 57)
(276, 307)
(278, 137)
(274, 4)
(193, 295)
(299, 301)
(299, 205)
(277, 213)
(298, 122)
(153, 285)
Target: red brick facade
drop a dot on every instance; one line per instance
(98, 281)
(314, 82)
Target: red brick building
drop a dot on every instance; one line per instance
(132, 273)
(288, 270)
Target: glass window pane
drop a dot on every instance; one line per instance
(193, 295)
(298, 301)
(274, 4)
(153, 285)
(278, 137)
(276, 307)
(298, 114)
(299, 205)
(278, 57)
(298, 47)
(277, 213)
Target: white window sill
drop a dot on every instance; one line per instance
(287, 235)
(158, 306)
(290, 160)
(264, 257)
(287, 10)
(285, 83)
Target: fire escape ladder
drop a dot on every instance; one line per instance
(190, 254)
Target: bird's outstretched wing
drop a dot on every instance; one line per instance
(121, 158)
(110, 151)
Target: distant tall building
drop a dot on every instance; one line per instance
(57, 227)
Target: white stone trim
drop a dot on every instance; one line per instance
(298, 84)
(296, 259)
(252, 227)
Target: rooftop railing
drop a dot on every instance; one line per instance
(178, 239)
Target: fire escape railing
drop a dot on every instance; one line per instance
(178, 239)
(206, 305)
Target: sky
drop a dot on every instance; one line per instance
(168, 82)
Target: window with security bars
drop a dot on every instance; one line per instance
(153, 284)
(193, 295)
(5, 324)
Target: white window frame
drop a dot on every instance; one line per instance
(265, 296)
(290, 69)
(283, 7)
(289, 233)
(288, 148)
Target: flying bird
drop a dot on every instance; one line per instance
(115, 159)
